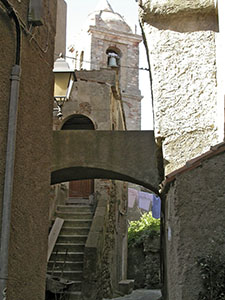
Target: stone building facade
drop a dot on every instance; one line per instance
(184, 42)
(28, 123)
(106, 33)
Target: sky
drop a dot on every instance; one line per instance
(77, 12)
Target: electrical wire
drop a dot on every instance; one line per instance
(12, 13)
(22, 25)
(89, 62)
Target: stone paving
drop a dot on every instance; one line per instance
(141, 294)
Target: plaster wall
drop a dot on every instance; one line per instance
(169, 7)
(194, 225)
(29, 219)
(220, 62)
(180, 37)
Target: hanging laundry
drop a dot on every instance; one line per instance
(132, 197)
(156, 207)
(145, 200)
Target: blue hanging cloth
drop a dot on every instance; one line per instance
(156, 207)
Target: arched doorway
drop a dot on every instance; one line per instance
(78, 122)
(79, 189)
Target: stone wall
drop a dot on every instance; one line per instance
(144, 262)
(105, 257)
(180, 39)
(194, 227)
(95, 95)
(29, 218)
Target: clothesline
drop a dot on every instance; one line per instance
(145, 201)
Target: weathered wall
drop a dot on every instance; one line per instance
(29, 222)
(180, 37)
(95, 95)
(128, 45)
(144, 262)
(194, 225)
(220, 62)
(169, 7)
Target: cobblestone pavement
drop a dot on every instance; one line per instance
(141, 295)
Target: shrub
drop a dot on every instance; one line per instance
(212, 271)
(146, 226)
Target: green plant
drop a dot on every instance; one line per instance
(212, 271)
(138, 230)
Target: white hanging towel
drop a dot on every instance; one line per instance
(145, 200)
(132, 197)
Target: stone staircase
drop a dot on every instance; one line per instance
(66, 260)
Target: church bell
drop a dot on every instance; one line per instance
(112, 62)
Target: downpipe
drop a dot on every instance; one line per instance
(10, 156)
(9, 176)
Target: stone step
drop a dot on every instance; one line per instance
(73, 288)
(78, 201)
(74, 208)
(77, 223)
(72, 239)
(72, 295)
(67, 266)
(69, 247)
(70, 275)
(74, 215)
(74, 231)
(70, 256)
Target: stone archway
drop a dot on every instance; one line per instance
(130, 156)
(124, 155)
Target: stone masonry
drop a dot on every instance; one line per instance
(180, 36)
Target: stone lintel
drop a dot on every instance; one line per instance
(166, 8)
(123, 38)
(104, 76)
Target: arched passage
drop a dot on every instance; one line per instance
(123, 155)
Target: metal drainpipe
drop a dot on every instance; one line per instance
(10, 157)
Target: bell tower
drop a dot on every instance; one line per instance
(108, 42)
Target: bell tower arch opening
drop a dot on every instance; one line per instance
(114, 55)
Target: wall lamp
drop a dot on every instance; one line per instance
(64, 79)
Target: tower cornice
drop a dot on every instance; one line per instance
(123, 37)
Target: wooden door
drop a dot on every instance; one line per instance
(81, 188)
